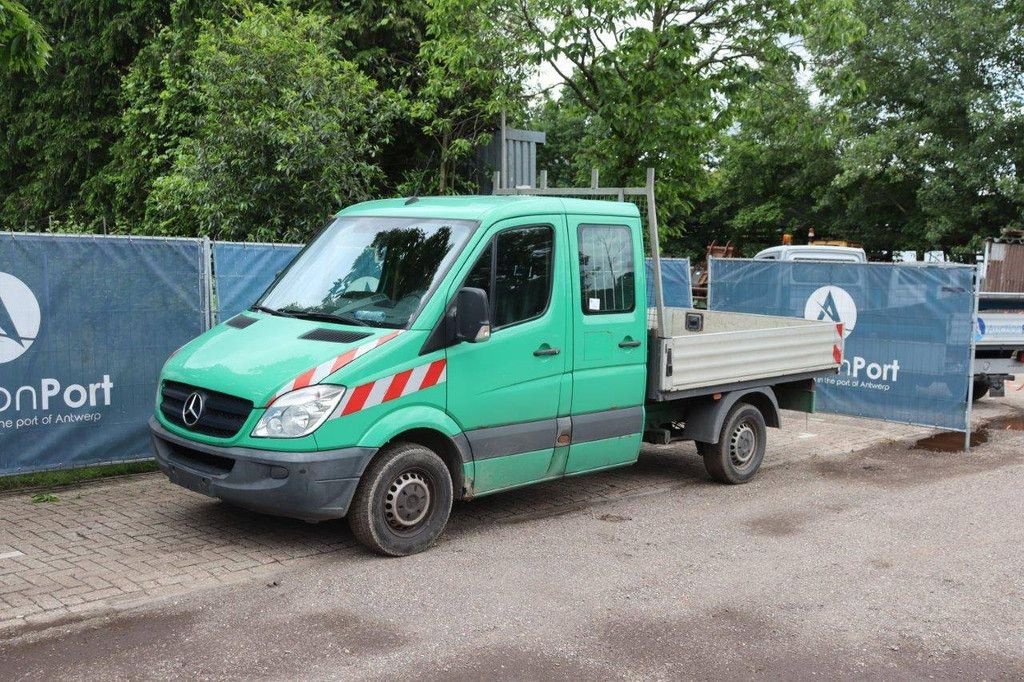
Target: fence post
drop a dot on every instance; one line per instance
(208, 289)
(970, 362)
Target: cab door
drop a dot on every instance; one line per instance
(505, 392)
(609, 364)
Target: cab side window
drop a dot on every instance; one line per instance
(607, 274)
(516, 271)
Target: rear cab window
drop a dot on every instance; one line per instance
(607, 269)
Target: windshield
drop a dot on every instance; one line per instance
(368, 271)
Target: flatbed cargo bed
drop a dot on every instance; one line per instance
(708, 351)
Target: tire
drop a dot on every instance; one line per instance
(378, 518)
(981, 387)
(738, 454)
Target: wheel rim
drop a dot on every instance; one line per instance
(742, 444)
(407, 502)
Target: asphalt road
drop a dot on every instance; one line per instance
(891, 562)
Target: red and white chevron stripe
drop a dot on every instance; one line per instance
(325, 369)
(391, 387)
(837, 348)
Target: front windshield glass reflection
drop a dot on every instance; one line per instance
(369, 271)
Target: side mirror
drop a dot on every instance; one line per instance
(472, 323)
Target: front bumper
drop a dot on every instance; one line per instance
(313, 486)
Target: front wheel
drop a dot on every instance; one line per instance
(403, 501)
(738, 454)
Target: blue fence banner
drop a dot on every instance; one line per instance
(675, 282)
(908, 330)
(242, 272)
(86, 323)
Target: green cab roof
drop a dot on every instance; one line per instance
(490, 208)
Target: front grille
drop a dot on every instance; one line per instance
(223, 415)
(333, 335)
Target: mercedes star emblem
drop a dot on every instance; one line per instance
(192, 410)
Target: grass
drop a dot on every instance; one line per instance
(59, 477)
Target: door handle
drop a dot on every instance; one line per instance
(629, 344)
(541, 352)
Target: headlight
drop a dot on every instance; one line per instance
(299, 413)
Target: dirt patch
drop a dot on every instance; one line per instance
(1011, 423)
(357, 636)
(740, 644)
(934, 458)
(81, 649)
(951, 441)
(776, 525)
(265, 641)
(614, 518)
(509, 664)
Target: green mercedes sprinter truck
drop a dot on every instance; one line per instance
(426, 350)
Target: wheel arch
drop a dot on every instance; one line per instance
(453, 451)
(431, 428)
(704, 421)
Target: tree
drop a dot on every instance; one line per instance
(929, 101)
(160, 109)
(287, 131)
(775, 167)
(652, 83)
(23, 46)
(56, 131)
(469, 81)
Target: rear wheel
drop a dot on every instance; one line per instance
(738, 454)
(403, 501)
(981, 387)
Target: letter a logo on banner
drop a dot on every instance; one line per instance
(832, 303)
(19, 317)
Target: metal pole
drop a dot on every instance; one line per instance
(594, 178)
(207, 255)
(984, 262)
(652, 227)
(543, 179)
(970, 362)
(504, 151)
(495, 181)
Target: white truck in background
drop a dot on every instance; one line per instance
(811, 252)
(999, 332)
(998, 342)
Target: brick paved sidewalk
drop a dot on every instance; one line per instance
(124, 541)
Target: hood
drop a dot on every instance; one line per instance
(269, 357)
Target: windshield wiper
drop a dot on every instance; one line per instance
(271, 311)
(327, 317)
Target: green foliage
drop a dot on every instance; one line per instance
(23, 46)
(927, 106)
(256, 121)
(287, 131)
(160, 110)
(64, 477)
(56, 131)
(653, 84)
(775, 167)
(469, 81)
